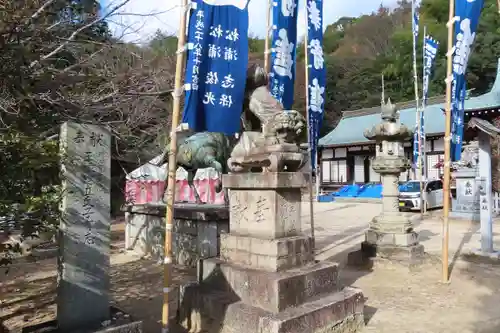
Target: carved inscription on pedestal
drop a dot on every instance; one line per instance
(261, 209)
(239, 210)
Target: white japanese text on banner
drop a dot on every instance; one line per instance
(430, 52)
(216, 65)
(283, 51)
(317, 74)
(467, 13)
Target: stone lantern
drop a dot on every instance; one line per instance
(390, 234)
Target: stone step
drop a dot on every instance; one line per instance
(273, 292)
(264, 254)
(341, 311)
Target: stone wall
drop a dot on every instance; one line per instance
(196, 231)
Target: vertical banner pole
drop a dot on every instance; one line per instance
(306, 62)
(424, 105)
(266, 40)
(172, 163)
(447, 145)
(318, 178)
(418, 165)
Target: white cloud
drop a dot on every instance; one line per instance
(142, 18)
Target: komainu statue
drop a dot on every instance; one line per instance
(270, 136)
(268, 140)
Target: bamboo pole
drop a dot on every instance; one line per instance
(383, 91)
(172, 168)
(266, 40)
(318, 178)
(311, 201)
(447, 146)
(418, 167)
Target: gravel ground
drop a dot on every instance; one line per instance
(397, 300)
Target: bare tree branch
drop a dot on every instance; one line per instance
(75, 33)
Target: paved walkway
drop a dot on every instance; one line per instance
(340, 226)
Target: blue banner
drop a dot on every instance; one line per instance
(283, 51)
(216, 65)
(317, 74)
(415, 20)
(430, 52)
(414, 29)
(467, 13)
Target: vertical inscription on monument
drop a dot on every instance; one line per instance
(468, 189)
(261, 206)
(238, 209)
(83, 294)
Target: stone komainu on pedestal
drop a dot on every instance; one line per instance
(268, 141)
(390, 234)
(266, 279)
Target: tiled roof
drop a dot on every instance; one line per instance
(353, 123)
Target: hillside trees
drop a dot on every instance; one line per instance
(59, 62)
(359, 50)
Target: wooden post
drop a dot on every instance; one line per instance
(172, 168)
(447, 146)
(266, 40)
(311, 200)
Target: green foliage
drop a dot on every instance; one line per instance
(359, 50)
(29, 190)
(40, 77)
(256, 45)
(163, 44)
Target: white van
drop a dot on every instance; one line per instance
(409, 195)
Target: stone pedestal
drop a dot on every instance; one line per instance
(196, 233)
(266, 270)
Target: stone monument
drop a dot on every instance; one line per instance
(465, 204)
(485, 131)
(84, 236)
(390, 234)
(266, 279)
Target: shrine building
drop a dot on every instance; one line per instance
(345, 154)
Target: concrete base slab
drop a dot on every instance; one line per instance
(411, 256)
(339, 312)
(476, 255)
(119, 322)
(51, 327)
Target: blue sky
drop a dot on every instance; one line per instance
(147, 16)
